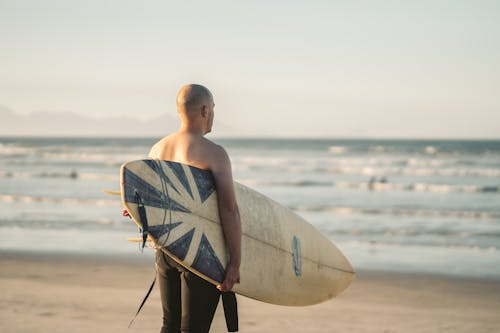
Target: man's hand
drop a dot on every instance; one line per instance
(232, 277)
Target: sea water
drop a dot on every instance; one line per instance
(401, 205)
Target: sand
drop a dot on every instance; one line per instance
(76, 293)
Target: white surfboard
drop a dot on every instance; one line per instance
(285, 260)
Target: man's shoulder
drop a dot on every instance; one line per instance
(157, 148)
(161, 141)
(215, 154)
(210, 144)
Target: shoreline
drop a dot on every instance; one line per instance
(135, 256)
(60, 292)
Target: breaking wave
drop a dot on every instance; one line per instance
(376, 185)
(53, 200)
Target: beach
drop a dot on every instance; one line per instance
(50, 292)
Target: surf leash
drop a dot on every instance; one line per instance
(145, 232)
(144, 219)
(143, 301)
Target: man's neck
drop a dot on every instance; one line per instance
(191, 129)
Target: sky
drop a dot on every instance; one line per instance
(369, 69)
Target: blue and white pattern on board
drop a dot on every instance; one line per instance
(189, 185)
(158, 230)
(206, 260)
(150, 195)
(180, 246)
(181, 175)
(204, 181)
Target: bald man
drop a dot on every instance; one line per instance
(188, 301)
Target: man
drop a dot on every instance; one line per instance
(188, 301)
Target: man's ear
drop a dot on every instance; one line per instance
(204, 111)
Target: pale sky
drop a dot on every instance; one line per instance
(392, 69)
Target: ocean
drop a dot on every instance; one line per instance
(422, 206)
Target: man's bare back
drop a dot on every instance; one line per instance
(186, 148)
(189, 146)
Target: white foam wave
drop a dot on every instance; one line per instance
(52, 200)
(431, 150)
(378, 149)
(452, 172)
(371, 166)
(337, 150)
(375, 184)
(91, 157)
(293, 183)
(398, 212)
(419, 187)
(14, 150)
(368, 170)
(69, 174)
(106, 155)
(374, 244)
(99, 176)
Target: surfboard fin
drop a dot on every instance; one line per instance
(138, 239)
(111, 192)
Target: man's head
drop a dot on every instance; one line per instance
(195, 105)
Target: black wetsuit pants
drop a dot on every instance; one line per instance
(188, 302)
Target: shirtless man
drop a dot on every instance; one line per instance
(179, 288)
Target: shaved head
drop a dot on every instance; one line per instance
(192, 97)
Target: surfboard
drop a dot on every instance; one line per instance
(285, 260)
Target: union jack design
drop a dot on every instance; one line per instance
(181, 208)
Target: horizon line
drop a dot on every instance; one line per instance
(252, 137)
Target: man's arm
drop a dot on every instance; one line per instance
(229, 216)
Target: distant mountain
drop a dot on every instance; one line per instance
(52, 123)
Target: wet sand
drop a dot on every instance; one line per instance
(76, 293)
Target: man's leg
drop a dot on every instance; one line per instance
(170, 291)
(199, 302)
